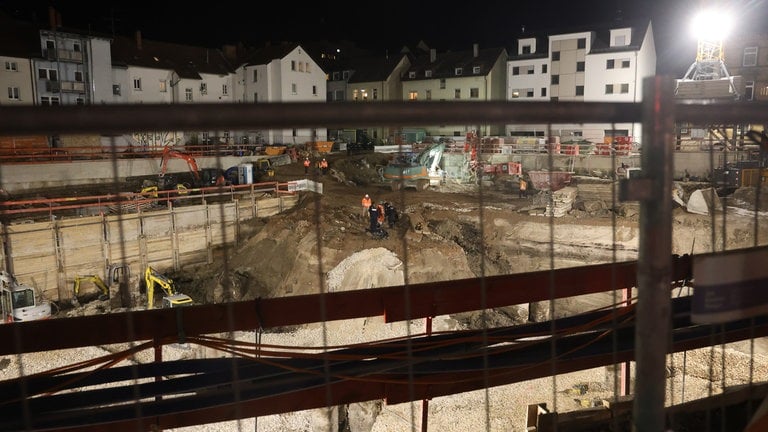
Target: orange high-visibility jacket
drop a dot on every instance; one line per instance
(366, 202)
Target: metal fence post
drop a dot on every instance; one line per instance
(652, 334)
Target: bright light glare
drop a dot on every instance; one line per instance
(711, 25)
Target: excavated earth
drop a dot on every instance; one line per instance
(453, 231)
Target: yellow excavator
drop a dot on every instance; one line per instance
(96, 281)
(172, 298)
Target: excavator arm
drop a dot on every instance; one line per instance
(169, 152)
(95, 280)
(172, 298)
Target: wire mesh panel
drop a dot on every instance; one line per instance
(514, 280)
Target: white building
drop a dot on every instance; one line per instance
(591, 66)
(281, 73)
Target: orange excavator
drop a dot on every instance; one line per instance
(200, 178)
(169, 152)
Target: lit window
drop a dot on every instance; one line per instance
(515, 94)
(163, 86)
(354, 94)
(413, 95)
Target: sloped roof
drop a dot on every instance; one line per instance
(187, 61)
(445, 64)
(265, 54)
(601, 42)
(370, 69)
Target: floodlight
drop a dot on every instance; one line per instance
(711, 25)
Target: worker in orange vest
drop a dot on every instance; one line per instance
(366, 204)
(380, 215)
(306, 165)
(324, 166)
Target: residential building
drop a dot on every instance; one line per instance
(18, 44)
(147, 71)
(746, 55)
(281, 73)
(469, 75)
(597, 65)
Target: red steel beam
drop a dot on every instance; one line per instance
(425, 300)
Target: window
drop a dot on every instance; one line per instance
(413, 95)
(475, 69)
(579, 90)
(50, 48)
(554, 99)
(80, 101)
(543, 92)
(609, 89)
(458, 71)
(224, 89)
(76, 47)
(543, 68)
(750, 56)
(581, 43)
(203, 88)
(457, 93)
(294, 132)
(314, 90)
(620, 40)
(516, 70)
(555, 79)
(355, 94)
(529, 70)
(49, 74)
(338, 95)
(428, 74)
(625, 64)
(442, 83)
(293, 65)
(345, 75)
(429, 94)
(301, 66)
(188, 94)
(49, 100)
(11, 66)
(306, 67)
(474, 93)
(555, 55)
(137, 84)
(609, 64)
(255, 75)
(364, 92)
(255, 97)
(526, 49)
(375, 94)
(580, 66)
(78, 76)
(749, 90)
(336, 76)
(13, 93)
(294, 88)
(625, 88)
(515, 93)
(116, 89)
(412, 74)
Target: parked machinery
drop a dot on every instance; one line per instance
(18, 301)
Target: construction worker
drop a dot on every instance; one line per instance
(306, 165)
(324, 166)
(366, 204)
(380, 213)
(523, 187)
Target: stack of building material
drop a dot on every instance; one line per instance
(562, 202)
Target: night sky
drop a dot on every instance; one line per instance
(383, 26)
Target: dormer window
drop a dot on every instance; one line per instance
(475, 69)
(459, 71)
(428, 73)
(412, 74)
